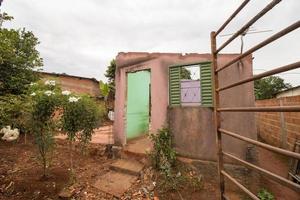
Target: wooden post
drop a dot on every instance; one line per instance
(217, 122)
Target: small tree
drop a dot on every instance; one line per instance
(110, 74)
(267, 88)
(45, 103)
(104, 89)
(18, 59)
(80, 118)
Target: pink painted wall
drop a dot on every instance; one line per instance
(158, 63)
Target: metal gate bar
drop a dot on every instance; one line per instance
(261, 144)
(262, 75)
(263, 43)
(239, 185)
(250, 23)
(232, 16)
(275, 177)
(217, 109)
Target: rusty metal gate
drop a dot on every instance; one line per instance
(218, 110)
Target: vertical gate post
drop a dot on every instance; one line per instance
(217, 122)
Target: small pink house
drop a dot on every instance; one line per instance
(151, 94)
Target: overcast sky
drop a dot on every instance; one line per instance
(81, 37)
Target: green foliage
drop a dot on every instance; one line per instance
(15, 111)
(185, 74)
(163, 156)
(182, 176)
(5, 17)
(80, 118)
(173, 175)
(264, 194)
(267, 88)
(104, 89)
(102, 110)
(110, 75)
(46, 100)
(18, 59)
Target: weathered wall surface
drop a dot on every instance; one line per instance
(193, 127)
(279, 129)
(75, 84)
(193, 131)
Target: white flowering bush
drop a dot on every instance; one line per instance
(45, 103)
(52, 109)
(66, 92)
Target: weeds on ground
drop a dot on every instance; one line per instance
(172, 174)
(264, 194)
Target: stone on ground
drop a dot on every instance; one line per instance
(115, 183)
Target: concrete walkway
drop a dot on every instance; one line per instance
(102, 135)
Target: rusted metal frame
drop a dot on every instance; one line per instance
(263, 145)
(262, 44)
(261, 109)
(250, 23)
(250, 194)
(226, 197)
(232, 16)
(262, 75)
(275, 177)
(217, 121)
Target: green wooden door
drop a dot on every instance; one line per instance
(138, 93)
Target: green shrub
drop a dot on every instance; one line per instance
(45, 102)
(163, 155)
(264, 194)
(80, 118)
(15, 111)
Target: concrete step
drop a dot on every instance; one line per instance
(115, 183)
(127, 166)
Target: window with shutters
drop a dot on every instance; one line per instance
(190, 85)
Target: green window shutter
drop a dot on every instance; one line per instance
(206, 85)
(174, 86)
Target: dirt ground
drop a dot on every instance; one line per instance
(20, 176)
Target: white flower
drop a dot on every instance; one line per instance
(51, 82)
(73, 99)
(48, 93)
(31, 84)
(33, 94)
(66, 92)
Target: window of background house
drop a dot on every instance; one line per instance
(190, 85)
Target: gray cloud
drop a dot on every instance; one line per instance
(81, 37)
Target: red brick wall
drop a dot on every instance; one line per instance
(279, 129)
(76, 85)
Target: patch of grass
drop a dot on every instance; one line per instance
(264, 194)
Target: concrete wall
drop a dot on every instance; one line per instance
(288, 93)
(279, 129)
(75, 84)
(191, 126)
(193, 131)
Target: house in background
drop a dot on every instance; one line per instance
(294, 91)
(76, 84)
(155, 90)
